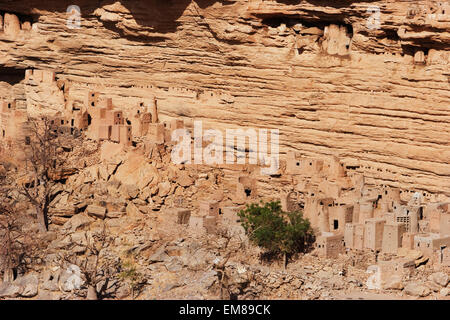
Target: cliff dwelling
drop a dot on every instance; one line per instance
(116, 164)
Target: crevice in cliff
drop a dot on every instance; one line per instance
(290, 22)
(11, 75)
(331, 36)
(112, 26)
(22, 17)
(145, 21)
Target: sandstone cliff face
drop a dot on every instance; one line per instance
(336, 79)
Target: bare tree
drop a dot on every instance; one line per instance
(96, 267)
(8, 237)
(7, 227)
(228, 244)
(18, 249)
(44, 160)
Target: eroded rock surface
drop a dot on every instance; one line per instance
(342, 79)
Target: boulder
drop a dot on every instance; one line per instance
(26, 286)
(115, 214)
(78, 238)
(144, 209)
(29, 284)
(433, 286)
(207, 279)
(417, 289)
(184, 179)
(59, 221)
(393, 283)
(145, 194)
(129, 191)
(174, 265)
(96, 211)
(123, 291)
(160, 255)
(64, 211)
(60, 243)
(103, 172)
(164, 188)
(77, 222)
(132, 210)
(9, 290)
(440, 278)
(91, 174)
(136, 171)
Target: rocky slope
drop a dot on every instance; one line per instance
(151, 254)
(328, 75)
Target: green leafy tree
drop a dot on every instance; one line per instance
(280, 233)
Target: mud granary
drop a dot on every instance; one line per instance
(340, 205)
(12, 122)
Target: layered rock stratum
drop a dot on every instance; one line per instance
(336, 77)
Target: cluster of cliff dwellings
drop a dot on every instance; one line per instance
(346, 213)
(99, 116)
(11, 25)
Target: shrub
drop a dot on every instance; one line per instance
(135, 279)
(278, 232)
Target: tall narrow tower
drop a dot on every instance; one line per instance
(155, 111)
